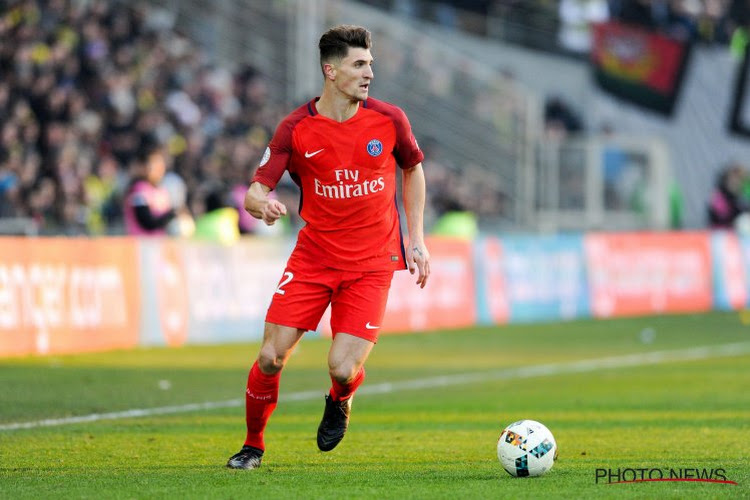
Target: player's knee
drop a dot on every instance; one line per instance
(343, 374)
(269, 362)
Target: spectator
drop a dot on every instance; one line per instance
(219, 222)
(456, 222)
(711, 21)
(727, 202)
(559, 118)
(100, 195)
(147, 204)
(80, 83)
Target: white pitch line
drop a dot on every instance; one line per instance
(583, 366)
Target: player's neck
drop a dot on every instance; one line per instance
(337, 107)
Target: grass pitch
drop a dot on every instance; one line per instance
(423, 436)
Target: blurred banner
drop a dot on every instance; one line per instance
(230, 288)
(491, 286)
(448, 300)
(165, 294)
(206, 293)
(648, 273)
(75, 295)
(533, 278)
(643, 67)
(62, 295)
(729, 261)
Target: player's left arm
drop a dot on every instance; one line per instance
(413, 193)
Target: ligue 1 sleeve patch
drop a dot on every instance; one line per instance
(266, 156)
(374, 147)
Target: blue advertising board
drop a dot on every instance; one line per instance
(545, 277)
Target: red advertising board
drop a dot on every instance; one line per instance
(61, 295)
(647, 273)
(448, 300)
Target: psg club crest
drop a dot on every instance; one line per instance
(374, 147)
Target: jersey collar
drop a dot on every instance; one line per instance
(313, 109)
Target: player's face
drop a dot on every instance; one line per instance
(354, 73)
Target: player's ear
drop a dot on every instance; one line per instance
(329, 71)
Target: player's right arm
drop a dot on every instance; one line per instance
(260, 206)
(272, 166)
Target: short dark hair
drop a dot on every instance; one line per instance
(335, 43)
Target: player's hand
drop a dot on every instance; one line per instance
(418, 259)
(272, 211)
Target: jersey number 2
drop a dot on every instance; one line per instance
(287, 278)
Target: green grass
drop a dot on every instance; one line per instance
(427, 443)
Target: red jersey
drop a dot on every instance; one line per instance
(346, 172)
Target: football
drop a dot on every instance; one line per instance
(526, 449)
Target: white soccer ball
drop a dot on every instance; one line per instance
(526, 449)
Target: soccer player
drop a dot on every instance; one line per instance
(342, 150)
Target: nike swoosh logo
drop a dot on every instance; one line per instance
(370, 327)
(310, 155)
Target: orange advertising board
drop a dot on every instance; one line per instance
(448, 300)
(172, 293)
(61, 295)
(647, 273)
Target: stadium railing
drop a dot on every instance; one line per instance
(18, 226)
(595, 183)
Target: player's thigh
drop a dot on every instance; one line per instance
(301, 297)
(358, 305)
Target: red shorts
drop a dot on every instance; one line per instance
(357, 298)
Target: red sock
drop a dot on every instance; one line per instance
(340, 392)
(260, 401)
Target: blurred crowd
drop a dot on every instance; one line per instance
(729, 202)
(84, 84)
(708, 21)
(563, 24)
(87, 86)
(702, 21)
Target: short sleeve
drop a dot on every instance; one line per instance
(407, 150)
(276, 157)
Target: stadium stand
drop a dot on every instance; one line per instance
(546, 24)
(83, 83)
